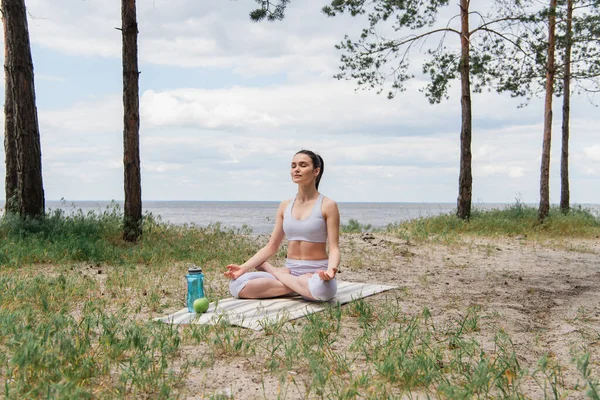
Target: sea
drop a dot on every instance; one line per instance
(258, 217)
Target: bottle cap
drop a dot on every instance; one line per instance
(194, 269)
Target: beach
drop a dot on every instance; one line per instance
(498, 316)
(545, 295)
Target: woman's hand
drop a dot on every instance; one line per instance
(234, 271)
(327, 275)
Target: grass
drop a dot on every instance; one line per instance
(96, 238)
(52, 353)
(354, 226)
(515, 220)
(75, 322)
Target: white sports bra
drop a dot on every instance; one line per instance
(311, 229)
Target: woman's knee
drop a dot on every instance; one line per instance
(322, 290)
(235, 287)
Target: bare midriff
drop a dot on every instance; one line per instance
(301, 250)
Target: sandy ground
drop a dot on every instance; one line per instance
(545, 295)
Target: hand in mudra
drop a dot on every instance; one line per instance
(326, 275)
(234, 271)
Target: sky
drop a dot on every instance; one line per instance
(226, 102)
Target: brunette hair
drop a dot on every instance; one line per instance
(317, 161)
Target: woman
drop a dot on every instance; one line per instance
(308, 221)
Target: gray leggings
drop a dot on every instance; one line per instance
(319, 289)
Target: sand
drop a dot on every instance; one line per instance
(544, 294)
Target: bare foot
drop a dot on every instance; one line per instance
(266, 267)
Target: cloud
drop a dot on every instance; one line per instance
(181, 108)
(85, 28)
(592, 152)
(327, 106)
(184, 33)
(163, 167)
(84, 117)
(436, 152)
(495, 169)
(516, 172)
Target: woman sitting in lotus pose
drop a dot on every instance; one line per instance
(309, 221)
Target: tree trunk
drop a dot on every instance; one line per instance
(550, 70)
(30, 188)
(465, 180)
(10, 144)
(131, 118)
(564, 159)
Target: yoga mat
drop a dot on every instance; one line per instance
(255, 314)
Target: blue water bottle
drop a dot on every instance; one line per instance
(195, 286)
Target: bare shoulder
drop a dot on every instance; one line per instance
(329, 206)
(327, 202)
(283, 205)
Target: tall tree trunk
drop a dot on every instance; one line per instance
(10, 143)
(131, 119)
(550, 70)
(465, 180)
(564, 159)
(30, 188)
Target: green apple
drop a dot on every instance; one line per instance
(201, 305)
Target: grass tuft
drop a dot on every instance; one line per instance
(515, 220)
(353, 226)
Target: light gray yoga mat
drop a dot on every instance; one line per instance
(255, 314)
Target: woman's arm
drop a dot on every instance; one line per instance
(234, 271)
(332, 219)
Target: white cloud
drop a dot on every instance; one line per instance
(163, 167)
(84, 117)
(593, 152)
(496, 169)
(185, 33)
(515, 172)
(85, 28)
(180, 109)
(324, 106)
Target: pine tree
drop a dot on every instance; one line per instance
(131, 119)
(575, 69)
(27, 197)
(484, 38)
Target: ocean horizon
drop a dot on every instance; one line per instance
(259, 216)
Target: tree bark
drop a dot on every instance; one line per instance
(550, 70)
(131, 118)
(564, 159)
(10, 144)
(30, 188)
(465, 180)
